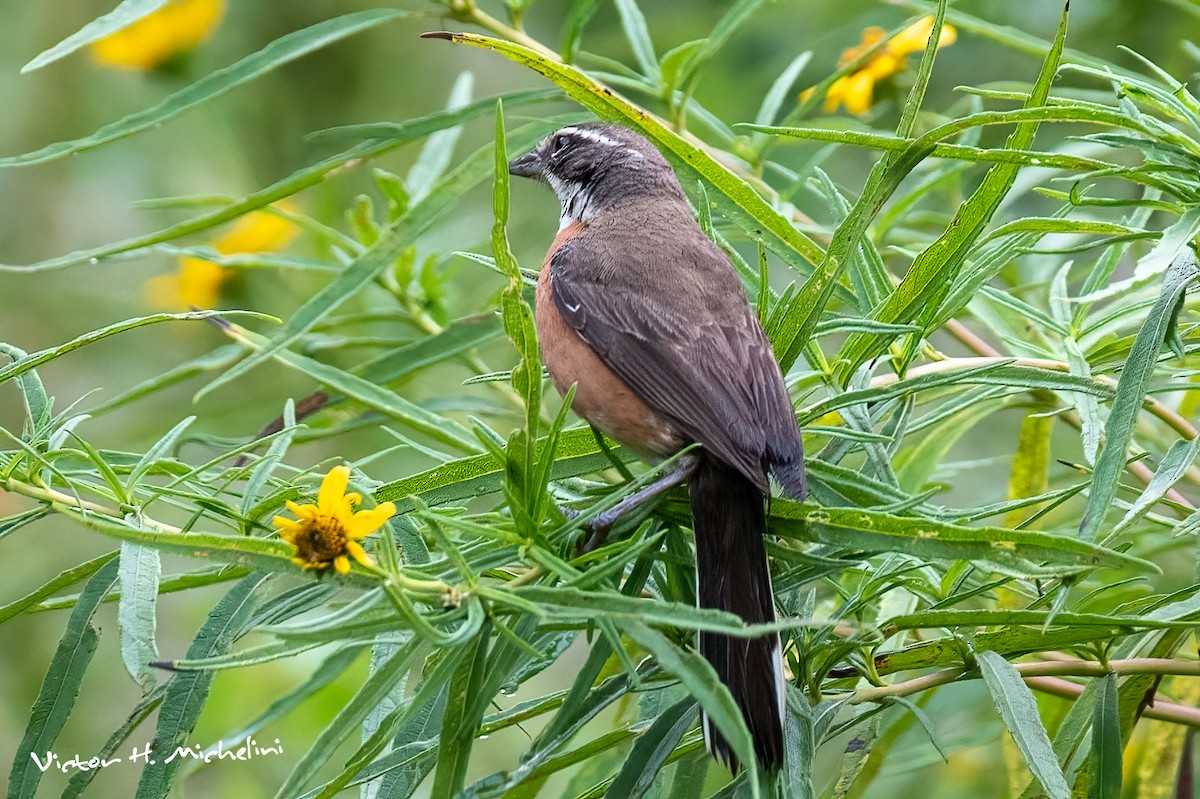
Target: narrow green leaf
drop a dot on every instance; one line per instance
(854, 757)
(702, 683)
(1030, 475)
(49, 589)
(1018, 711)
(638, 36)
(439, 147)
(649, 754)
(393, 241)
(464, 712)
(38, 405)
(137, 611)
(147, 705)
(125, 14)
(23, 365)
(928, 281)
(279, 52)
(56, 698)
(264, 468)
(1171, 469)
(1024, 552)
(188, 691)
(800, 741)
(970, 618)
(1105, 772)
(387, 402)
(373, 690)
(1131, 393)
(726, 26)
(255, 553)
(577, 454)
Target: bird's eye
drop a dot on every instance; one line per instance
(560, 142)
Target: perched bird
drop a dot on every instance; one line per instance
(647, 318)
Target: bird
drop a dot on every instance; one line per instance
(639, 310)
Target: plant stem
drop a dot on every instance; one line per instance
(1039, 675)
(467, 11)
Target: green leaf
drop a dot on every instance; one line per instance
(439, 147)
(639, 38)
(729, 23)
(188, 691)
(56, 698)
(1018, 711)
(66, 578)
(854, 757)
(1131, 392)
(701, 681)
(577, 454)
(392, 242)
(673, 61)
(264, 468)
(255, 553)
(1022, 552)
(936, 269)
(373, 690)
(464, 712)
(125, 14)
(395, 136)
(1171, 469)
(279, 52)
(649, 754)
(971, 618)
(38, 405)
(22, 365)
(137, 611)
(383, 400)
(1105, 772)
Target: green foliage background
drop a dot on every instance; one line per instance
(995, 498)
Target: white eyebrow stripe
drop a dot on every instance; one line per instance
(600, 138)
(595, 136)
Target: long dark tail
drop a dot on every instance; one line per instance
(731, 574)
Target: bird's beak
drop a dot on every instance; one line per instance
(526, 166)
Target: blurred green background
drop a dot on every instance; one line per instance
(256, 135)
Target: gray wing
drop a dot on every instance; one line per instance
(686, 342)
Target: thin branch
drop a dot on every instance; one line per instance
(1160, 710)
(1038, 675)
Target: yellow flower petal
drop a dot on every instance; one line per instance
(366, 522)
(285, 523)
(333, 487)
(913, 38)
(303, 511)
(358, 553)
(860, 91)
(258, 231)
(175, 28)
(342, 564)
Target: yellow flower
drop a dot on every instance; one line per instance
(149, 42)
(325, 534)
(856, 91)
(198, 282)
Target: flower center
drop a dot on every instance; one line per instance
(320, 539)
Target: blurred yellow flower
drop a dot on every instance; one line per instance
(175, 28)
(325, 534)
(856, 91)
(198, 282)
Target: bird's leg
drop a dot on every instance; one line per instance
(602, 523)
